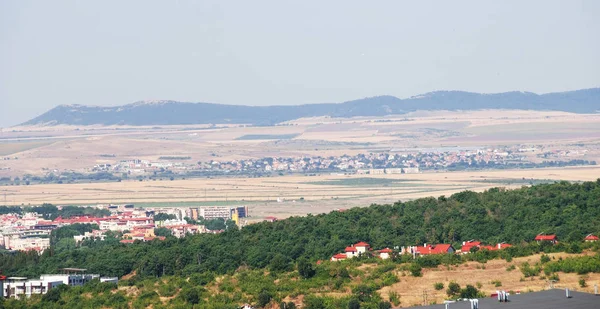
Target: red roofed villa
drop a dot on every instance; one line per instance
(551, 238)
(591, 238)
(384, 254)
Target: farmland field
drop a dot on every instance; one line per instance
(289, 195)
(45, 150)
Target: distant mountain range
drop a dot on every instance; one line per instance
(179, 113)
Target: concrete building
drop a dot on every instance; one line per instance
(215, 212)
(17, 287)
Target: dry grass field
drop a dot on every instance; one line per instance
(297, 195)
(411, 289)
(41, 150)
(71, 148)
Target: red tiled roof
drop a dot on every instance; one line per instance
(127, 241)
(442, 248)
(545, 237)
(340, 256)
(362, 244)
(504, 246)
(591, 237)
(386, 250)
(468, 245)
(350, 249)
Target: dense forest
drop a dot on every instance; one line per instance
(515, 216)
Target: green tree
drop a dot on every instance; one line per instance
(469, 292)
(305, 269)
(280, 263)
(453, 289)
(264, 298)
(353, 304)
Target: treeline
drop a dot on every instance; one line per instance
(51, 212)
(515, 216)
(459, 166)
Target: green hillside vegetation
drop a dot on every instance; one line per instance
(354, 281)
(278, 259)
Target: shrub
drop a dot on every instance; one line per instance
(469, 292)
(353, 304)
(497, 283)
(582, 283)
(190, 295)
(415, 270)
(438, 286)
(510, 268)
(166, 290)
(363, 292)
(385, 305)
(529, 271)
(544, 259)
(479, 285)
(394, 298)
(554, 277)
(264, 298)
(453, 289)
(305, 269)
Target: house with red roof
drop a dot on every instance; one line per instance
(351, 252)
(551, 238)
(362, 247)
(385, 254)
(338, 257)
(467, 245)
(429, 249)
(591, 238)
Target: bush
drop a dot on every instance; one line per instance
(353, 304)
(469, 292)
(190, 295)
(363, 292)
(554, 277)
(582, 283)
(544, 259)
(202, 279)
(305, 269)
(511, 268)
(385, 305)
(438, 286)
(497, 283)
(453, 289)
(394, 298)
(166, 290)
(264, 298)
(529, 271)
(415, 270)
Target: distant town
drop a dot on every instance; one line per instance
(28, 230)
(396, 161)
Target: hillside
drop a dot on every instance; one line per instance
(185, 113)
(569, 210)
(269, 263)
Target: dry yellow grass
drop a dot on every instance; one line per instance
(318, 194)
(411, 288)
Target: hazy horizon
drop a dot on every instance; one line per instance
(271, 53)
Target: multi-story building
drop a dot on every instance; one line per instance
(214, 212)
(17, 287)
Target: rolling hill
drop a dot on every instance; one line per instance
(182, 113)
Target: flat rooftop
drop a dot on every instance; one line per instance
(549, 299)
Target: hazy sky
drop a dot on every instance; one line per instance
(287, 52)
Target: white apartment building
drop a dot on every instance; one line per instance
(214, 212)
(17, 287)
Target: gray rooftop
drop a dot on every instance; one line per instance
(550, 299)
